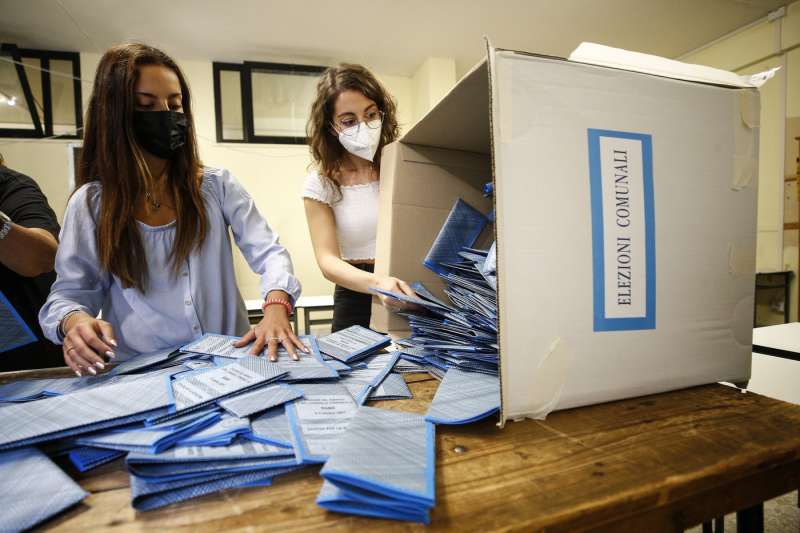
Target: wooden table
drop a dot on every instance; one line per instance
(657, 463)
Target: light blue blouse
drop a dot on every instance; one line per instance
(203, 297)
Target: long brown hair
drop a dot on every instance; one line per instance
(112, 156)
(326, 150)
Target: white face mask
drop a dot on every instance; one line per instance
(363, 144)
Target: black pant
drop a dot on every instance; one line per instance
(350, 307)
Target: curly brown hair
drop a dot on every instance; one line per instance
(326, 150)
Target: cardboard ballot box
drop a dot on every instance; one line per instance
(625, 220)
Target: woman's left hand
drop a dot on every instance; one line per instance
(273, 330)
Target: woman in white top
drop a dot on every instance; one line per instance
(352, 119)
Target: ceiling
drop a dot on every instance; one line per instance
(390, 36)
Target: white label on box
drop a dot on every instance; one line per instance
(621, 173)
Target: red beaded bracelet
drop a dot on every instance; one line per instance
(274, 301)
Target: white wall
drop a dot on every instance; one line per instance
(758, 47)
(273, 174)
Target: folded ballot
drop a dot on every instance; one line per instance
(383, 466)
(361, 382)
(86, 458)
(271, 427)
(393, 387)
(33, 489)
(82, 411)
(318, 419)
(184, 462)
(14, 332)
(220, 433)
(199, 388)
(149, 495)
(464, 397)
(351, 344)
(462, 228)
(260, 400)
(310, 366)
(146, 439)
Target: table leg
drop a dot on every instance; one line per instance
(786, 298)
(306, 319)
(719, 524)
(707, 527)
(750, 520)
(294, 322)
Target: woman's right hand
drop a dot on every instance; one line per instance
(388, 283)
(88, 343)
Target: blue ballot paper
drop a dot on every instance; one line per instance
(145, 361)
(361, 382)
(383, 466)
(220, 433)
(35, 389)
(393, 387)
(193, 461)
(33, 489)
(429, 305)
(310, 366)
(147, 439)
(271, 427)
(86, 458)
(462, 228)
(318, 420)
(14, 332)
(464, 397)
(165, 472)
(200, 388)
(241, 450)
(353, 343)
(259, 400)
(81, 411)
(148, 495)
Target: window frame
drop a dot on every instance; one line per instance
(44, 130)
(245, 70)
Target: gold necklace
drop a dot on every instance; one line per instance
(153, 202)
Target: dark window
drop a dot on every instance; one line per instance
(263, 102)
(40, 93)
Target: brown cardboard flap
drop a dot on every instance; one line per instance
(419, 186)
(454, 123)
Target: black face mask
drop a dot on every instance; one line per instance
(161, 133)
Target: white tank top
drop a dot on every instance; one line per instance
(355, 212)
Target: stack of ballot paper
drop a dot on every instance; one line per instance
(191, 420)
(456, 340)
(382, 467)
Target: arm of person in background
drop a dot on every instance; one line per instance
(29, 246)
(322, 226)
(269, 259)
(68, 315)
(27, 251)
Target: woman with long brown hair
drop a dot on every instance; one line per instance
(352, 118)
(145, 235)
